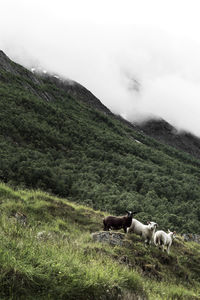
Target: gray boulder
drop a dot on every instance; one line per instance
(191, 237)
(113, 238)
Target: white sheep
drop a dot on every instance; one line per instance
(164, 239)
(145, 231)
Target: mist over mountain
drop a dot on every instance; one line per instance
(152, 126)
(137, 71)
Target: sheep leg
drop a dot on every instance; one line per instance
(125, 229)
(168, 249)
(146, 242)
(106, 228)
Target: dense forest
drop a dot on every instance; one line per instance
(52, 140)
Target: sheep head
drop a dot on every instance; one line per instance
(152, 225)
(130, 213)
(172, 234)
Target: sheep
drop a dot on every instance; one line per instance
(163, 239)
(111, 222)
(145, 231)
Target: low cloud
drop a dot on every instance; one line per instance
(136, 71)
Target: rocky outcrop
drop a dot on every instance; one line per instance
(191, 237)
(110, 237)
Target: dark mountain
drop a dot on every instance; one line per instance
(57, 136)
(167, 134)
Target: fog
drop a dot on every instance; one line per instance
(140, 58)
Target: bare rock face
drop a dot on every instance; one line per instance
(6, 63)
(113, 238)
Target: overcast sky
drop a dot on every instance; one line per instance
(140, 58)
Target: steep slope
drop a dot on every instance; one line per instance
(53, 138)
(76, 90)
(71, 87)
(55, 257)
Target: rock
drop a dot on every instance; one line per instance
(43, 235)
(21, 218)
(191, 237)
(113, 238)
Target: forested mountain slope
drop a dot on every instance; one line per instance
(52, 138)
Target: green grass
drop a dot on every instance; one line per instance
(65, 263)
(162, 291)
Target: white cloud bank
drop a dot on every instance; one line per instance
(140, 58)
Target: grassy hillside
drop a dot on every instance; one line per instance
(64, 262)
(52, 140)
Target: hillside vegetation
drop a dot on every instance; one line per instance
(53, 140)
(54, 256)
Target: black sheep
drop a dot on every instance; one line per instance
(111, 222)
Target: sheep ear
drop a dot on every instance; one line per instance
(169, 230)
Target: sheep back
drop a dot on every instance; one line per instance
(112, 222)
(146, 231)
(160, 237)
